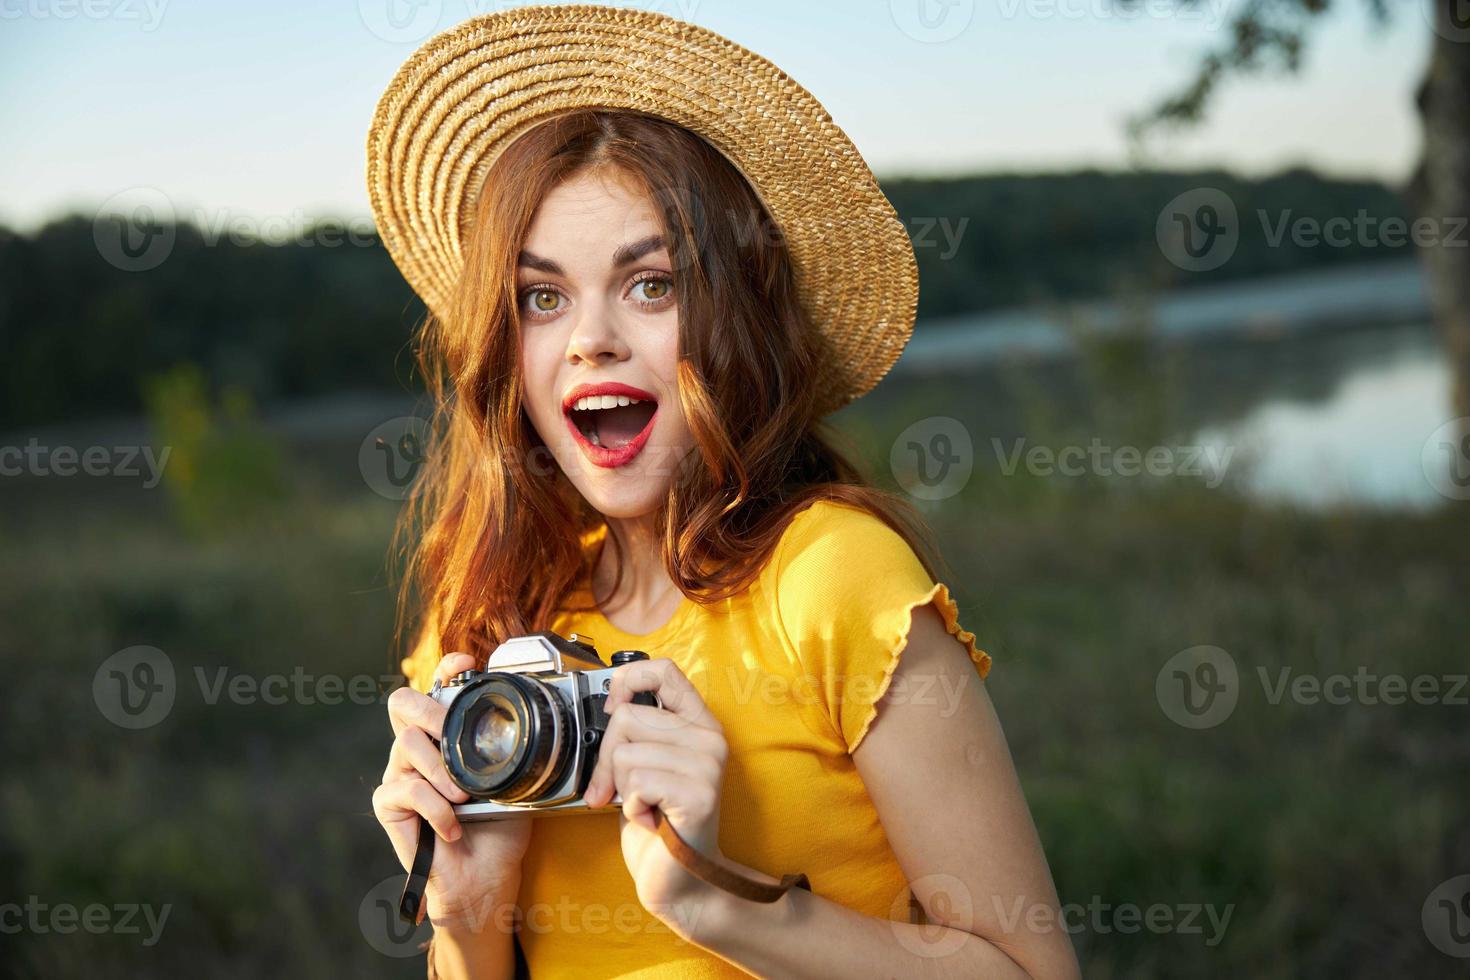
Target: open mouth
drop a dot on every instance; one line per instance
(610, 421)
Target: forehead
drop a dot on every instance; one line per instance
(592, 209)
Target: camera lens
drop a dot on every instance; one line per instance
(505, 738)
(497, 732)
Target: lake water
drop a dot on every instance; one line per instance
(1362, 441)
(1327, 387)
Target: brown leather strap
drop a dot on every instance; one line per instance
(708, 870)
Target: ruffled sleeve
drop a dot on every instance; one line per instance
(846, 588)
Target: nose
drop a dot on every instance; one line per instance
(595, 340)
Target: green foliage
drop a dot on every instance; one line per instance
(222, 466)
(1324, 826)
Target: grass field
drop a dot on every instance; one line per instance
(1320, 829)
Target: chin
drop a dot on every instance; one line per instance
(641, 502)
(625, 492)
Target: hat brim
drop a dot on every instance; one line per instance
(468, 92)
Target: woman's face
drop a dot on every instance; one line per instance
(599, 343)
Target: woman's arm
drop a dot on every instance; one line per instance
(477, 946)
(940, 775)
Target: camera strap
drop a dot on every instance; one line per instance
(708, 870)
(411, 907)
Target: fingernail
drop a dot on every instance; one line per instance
(455, 832)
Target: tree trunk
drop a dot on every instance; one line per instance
(1441, 188)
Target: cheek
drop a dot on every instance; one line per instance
(538, 381)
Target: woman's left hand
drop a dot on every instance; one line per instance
(670, 758)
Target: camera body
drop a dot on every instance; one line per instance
(522, 735)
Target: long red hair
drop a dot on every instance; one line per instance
(493, 533)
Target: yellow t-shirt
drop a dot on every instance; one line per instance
(792, 667)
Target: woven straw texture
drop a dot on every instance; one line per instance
(468, 92)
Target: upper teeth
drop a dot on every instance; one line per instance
(603, 401)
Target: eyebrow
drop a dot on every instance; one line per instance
(625, 255)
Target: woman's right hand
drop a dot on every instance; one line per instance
(475, 865)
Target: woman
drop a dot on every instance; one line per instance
(652, 264)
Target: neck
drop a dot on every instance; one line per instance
(645, 585)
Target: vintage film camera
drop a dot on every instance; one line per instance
(521, 736)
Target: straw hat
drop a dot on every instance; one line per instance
(468, 92)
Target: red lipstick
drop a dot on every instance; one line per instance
(606, 456)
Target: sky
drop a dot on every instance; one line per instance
(259, 110)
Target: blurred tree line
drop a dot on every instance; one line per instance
(79, 334)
